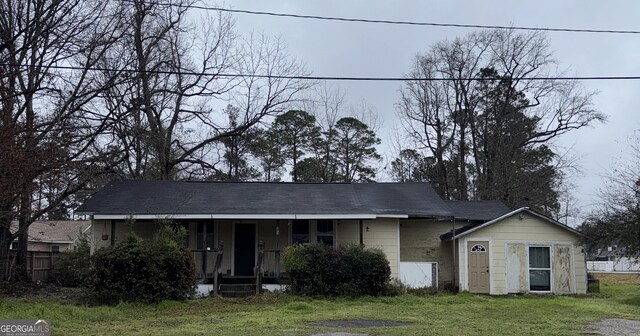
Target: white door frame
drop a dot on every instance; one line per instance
(465, 248)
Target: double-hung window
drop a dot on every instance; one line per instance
(300, 231)
(539, 268)
(325, 232)
(205, 236)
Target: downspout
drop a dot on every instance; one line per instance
(453, 263)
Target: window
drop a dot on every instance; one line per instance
(205, 236)
(478, 248)
(539, 268)
(300, 231)
(324, 232)
(55, 248)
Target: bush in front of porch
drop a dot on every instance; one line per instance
(351, 270)
(147, 271)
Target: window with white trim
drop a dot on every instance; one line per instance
(539, 268)
(325, 232)
(300, 231)
(205, 235)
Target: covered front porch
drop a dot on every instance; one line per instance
(249, 250)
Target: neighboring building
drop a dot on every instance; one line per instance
(497, 251)
(612, 259)
(54, 235)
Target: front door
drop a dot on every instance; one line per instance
(478, 254)
(244, 249)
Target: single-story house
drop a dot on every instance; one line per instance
(54, 235)
(479, 246)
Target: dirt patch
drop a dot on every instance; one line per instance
(358, 323)
(39, 291)
(614, 327)
(617, 278)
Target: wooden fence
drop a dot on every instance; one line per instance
(40, 265)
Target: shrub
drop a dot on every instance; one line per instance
(72, 268)
(146, 271)
(352, 270)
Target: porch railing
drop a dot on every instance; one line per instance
(208, 264)
(271, 256)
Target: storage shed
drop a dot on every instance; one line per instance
(520, 252)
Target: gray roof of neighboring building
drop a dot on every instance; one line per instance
(190, 197)
(54, 230)
(477, 210)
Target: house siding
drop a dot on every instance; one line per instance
(420, 242)
(383, 234)
(508, 243)
(122, 229)
(348, 232)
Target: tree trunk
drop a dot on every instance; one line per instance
(5, 243)
(21, 273)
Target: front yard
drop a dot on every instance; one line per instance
(441, 314)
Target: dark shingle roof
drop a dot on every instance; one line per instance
(477, 210)
(183, 197)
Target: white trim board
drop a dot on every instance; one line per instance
(251, 217)
(525, 209)
(464, 246)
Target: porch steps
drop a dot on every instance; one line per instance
(237, 290)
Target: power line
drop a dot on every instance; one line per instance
(409, 23)
(328, 78)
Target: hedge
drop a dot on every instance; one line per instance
(351, 270)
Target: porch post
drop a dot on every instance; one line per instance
(92, 247)
(205, 248)
(277, 252)
(361, 233)
(113, 232)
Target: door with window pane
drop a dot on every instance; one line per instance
(478, 258)
(539, 268)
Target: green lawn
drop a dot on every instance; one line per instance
(441, 314)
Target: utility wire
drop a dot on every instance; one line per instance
(409, 23)
(328, 78)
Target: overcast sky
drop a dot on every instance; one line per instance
(331, 48)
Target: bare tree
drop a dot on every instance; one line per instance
(617, 219)
(167, 114)
(47, 124)
(451, 115)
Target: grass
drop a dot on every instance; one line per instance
(440, 314)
